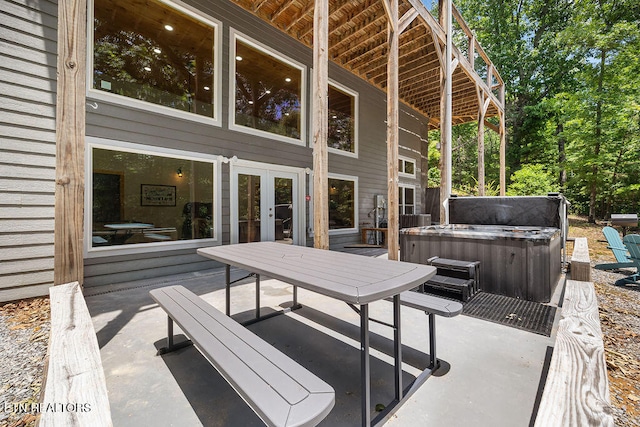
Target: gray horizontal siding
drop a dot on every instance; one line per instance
(27, 146)
(117, 122)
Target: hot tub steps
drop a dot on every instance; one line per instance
(456, 275)
(464, 286)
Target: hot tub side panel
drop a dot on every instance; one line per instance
(515, 268)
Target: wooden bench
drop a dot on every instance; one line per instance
(75, 390)
(576, 392)
(279, 390)
(432, 306)
(580, 261)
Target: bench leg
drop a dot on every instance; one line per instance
(257, 296)
(171, 346)
(227, 279)
(433, 361)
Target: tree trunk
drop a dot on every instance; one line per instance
(562, 156)
(593, 190)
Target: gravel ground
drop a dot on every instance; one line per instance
(24, 335)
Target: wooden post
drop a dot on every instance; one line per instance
(445, 111)
(393, 118)
(503, 149)
(481, 114)
(320, 124)
(70, 132)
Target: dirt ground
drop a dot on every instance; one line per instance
(619, 307)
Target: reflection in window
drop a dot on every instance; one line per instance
(268, 92)
(406, 200)
(341, 120)
(407, 167)
(144, 49)
(341, 204)
(140, 198)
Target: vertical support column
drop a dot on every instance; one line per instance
(445, 111)
(393, 119)
(70, 133)
(320, 124)
(481, 116)
(257, 296)
(503, 148)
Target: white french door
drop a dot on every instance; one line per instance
(266, 204)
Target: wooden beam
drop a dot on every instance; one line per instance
(481, 114)
(491, 126)
(503, 156)
(393, 120)
(320, 124)
(446, 111)
(407, 19)
(74, 373)
(70, 131)
(302, 13)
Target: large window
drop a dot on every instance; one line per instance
(406, 202)
(343, 195)
(267, 92)
(141, 198)
(149, 51)
(342, 120)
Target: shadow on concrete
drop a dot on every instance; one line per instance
(336, 362)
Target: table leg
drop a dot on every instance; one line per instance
(397, 346)
(365, 376)
(257, 296)
(227, 279)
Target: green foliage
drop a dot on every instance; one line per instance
(531, 180)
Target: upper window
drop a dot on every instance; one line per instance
(267, 92)
(144, 198)
(406, 167)
(342, 120)
(149, 51)
(343, 196)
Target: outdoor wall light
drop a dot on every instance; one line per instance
(179, 172)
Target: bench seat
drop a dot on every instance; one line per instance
(279, 390)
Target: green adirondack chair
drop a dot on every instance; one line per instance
(619, 250)
(632, 243)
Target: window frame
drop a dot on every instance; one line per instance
(405, 160)
(356, 201)
(112, 98)
(137, 248)
(402, 205)
(234, 35)
(356, 114)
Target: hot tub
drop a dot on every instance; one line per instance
(522, 262)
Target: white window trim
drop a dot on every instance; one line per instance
(112, 98)
(356, 113)
(235, 35)
(407, 160)
(108, 144)
(356, 216)
(404, 204)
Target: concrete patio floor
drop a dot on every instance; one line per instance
(490, 374)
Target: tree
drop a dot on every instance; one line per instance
(531, 180)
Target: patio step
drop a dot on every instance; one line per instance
(464, 286)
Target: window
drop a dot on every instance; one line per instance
(343, 105)
(406, 202)
(343, 194)
(267, 92)
(148, 51)
(142, 198)
(406, 167)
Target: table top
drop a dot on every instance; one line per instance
(351, 278)
(128, 226)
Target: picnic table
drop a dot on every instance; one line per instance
(354, 279)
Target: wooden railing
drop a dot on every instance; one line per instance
(576, 392)
(75, 391)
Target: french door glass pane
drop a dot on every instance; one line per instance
(248, 208)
